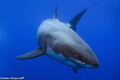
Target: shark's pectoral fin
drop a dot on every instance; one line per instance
(37, 52)
(75, 70)
(74, 20)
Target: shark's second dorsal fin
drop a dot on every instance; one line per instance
(75, 20)
(55, 14)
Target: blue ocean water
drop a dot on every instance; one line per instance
(99, 27)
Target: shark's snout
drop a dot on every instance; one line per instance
(89, 58)
(94, 64)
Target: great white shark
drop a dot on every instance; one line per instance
(60, 42)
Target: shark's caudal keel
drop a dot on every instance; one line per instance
(61, 43)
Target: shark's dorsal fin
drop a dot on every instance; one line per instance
(55, 14)
(75, 20)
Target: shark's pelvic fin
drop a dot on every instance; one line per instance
(75, 70)
(55, 14)
(37, 52)
(75, 20)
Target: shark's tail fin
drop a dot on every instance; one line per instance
(55, 15)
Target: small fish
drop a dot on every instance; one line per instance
(60, 42)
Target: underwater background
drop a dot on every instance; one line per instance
(99, 27)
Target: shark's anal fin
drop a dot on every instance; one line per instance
(75, 70)
(75, 20)
(35, 53)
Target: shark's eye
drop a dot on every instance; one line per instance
(77, 56)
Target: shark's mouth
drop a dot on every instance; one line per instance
(82, 64)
